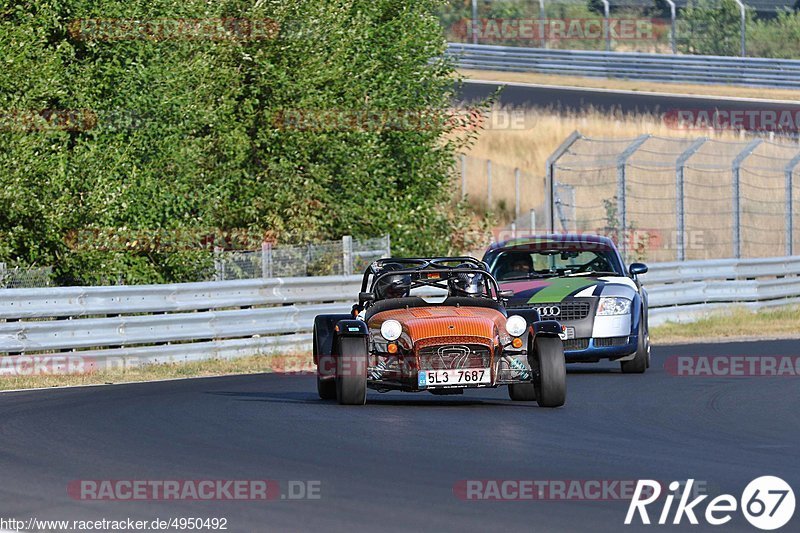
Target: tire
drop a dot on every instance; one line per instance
(550, 372)
(641, 362)
(326, 388)
(522, 392)
(351, 371)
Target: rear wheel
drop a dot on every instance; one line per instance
(522, 392)
(641, 361)
(550, 371)
(351, 371)
(326, 388)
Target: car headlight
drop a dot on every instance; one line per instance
(516, 325)
(391, 330)
(613, 306)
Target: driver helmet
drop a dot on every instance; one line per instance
(393, 286)
(466, 283)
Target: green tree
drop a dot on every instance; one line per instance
(711, 27)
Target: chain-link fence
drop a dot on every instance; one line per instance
(23, 278)
(710, 27)
(679, 199)
(344, 257)
(510, 193)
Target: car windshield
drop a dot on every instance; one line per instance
(515, 265)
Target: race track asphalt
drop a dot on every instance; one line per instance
(392, 465)
(580, 98)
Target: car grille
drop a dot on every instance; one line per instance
(454, 357)
(607, 342)
(563, 310)
(576, 344)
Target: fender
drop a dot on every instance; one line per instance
(546, 328)
(351, 328)
(324, 334)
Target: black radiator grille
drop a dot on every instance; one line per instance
(454, 357)
(560, 311)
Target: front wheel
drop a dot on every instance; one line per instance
(326, 388)
(351, 371)
(550, 371)
(641, 361)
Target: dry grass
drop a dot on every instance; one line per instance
(632, 85)
(214, 367)
(737, 324)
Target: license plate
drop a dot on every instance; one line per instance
(452, 378)
(568, 333)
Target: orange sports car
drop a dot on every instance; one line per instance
(436, 325)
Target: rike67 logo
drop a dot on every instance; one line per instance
(767, 503)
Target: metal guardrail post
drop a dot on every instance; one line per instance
(680, 196)
(622, 208)
(347, 255)
(266, 259)
(516, 194)
(606, 28)
(388, 245)
(737, 222)
(550, 179)
(489, 184)
(790, 168)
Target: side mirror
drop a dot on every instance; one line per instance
(506, 294)
(637, 268)
(365, 297)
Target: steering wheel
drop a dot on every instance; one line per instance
(598, 264)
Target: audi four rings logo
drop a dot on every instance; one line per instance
(548, 310)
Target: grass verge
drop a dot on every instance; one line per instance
(738, 324)
(213, 367)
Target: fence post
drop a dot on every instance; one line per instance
(672, 26)
(388, 245)
(542, 20)
(680, 196)
(516, 193)
(790, 168)
(606, 29)
(737, 223)
(463, 176)
(489, 184)
(550, 178)
(266, 259)
(622, 207)
(347, 255)
(533, 221)
(474, 21)
(743, 17)
(219, 265)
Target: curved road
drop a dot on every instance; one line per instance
(579, 98)
(392, 465)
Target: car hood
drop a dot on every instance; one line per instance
(551, 290)
(443, 321)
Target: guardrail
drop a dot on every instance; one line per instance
(758, 72)
(193, 321)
